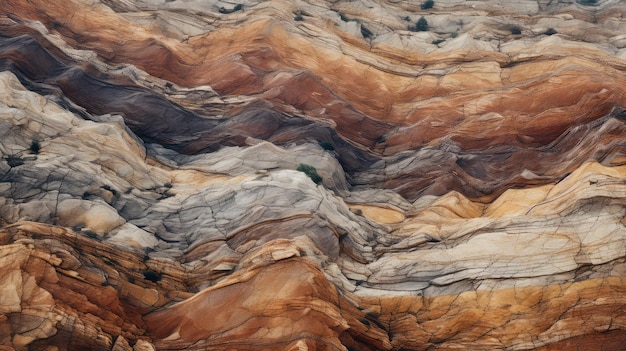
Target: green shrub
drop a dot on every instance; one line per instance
(428, 4)
(310, 171)
(35, 147)
(421, 25)
(237, 7)
(298, 18)
(516, 30)
(587, 2)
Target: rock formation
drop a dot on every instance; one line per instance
(473, 184)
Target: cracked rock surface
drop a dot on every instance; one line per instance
(153, 193)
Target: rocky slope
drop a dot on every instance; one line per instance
(473, 175)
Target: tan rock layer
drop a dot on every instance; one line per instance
(71, 295)
(586, 314)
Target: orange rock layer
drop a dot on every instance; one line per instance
(103, 298)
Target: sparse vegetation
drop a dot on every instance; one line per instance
(298, 18)
(420, 26)
(310, 171)
(454, 34)
(428, 4)
(550, 31)
(516, 30)
(587, 2)
(438, 41)
(237, 7)
(34, 147)
(165, 195)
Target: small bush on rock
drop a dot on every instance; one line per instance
(35, 147)
(421, 25)
(237, 7)
(428, 4)
(311, 172)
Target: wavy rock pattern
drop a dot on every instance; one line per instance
(473, 175)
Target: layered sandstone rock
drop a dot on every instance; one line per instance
(472, 192)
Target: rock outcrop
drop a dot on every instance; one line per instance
(472, 191)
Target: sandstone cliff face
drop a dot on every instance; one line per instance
(473, 175)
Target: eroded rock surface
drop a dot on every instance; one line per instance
(472, 193)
